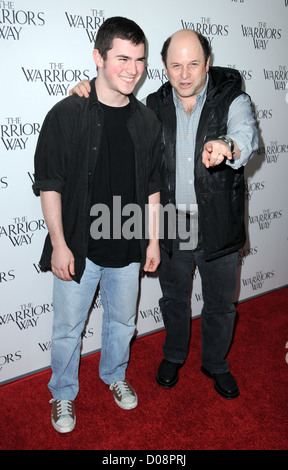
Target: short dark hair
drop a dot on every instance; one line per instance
(203, 41)
(117, 27)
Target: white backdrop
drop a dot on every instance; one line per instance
(46, 47)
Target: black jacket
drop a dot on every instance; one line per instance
(65, 159)
(219, 190)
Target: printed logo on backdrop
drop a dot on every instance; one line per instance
(261, 114)
(56, 78)
(245, 74)
(45, 346)
(261, 34)
(207, 27)
(273, 151)
(38, 269)
(154, 313)
(156, 74)
(88, 23)
(258, 280)
(197, 295)
(21, 231)
(266, 218)
(15, 134)
(252, 187)
(7, 276)
(246, 252)
(26, 317)
(14, 21)
(9, 358)
(97, 303)
(278, 77)
(3, 182)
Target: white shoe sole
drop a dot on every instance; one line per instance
(63, 429)
(127, 406)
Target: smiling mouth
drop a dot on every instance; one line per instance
(128, 79)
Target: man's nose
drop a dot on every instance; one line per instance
(132, 68)
(185, 72)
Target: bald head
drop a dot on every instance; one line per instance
(184, 38)
(184, 35)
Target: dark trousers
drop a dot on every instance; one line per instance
(218, 314)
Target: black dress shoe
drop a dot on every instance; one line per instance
(224, 383)
(167, 375)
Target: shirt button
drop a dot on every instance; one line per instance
(190, 181)
(189, 159)
(94, 148)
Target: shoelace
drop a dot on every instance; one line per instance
(121, 388)
(64, 407)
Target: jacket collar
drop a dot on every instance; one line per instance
(220, 78)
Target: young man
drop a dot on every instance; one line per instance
(209, 133)
(90, 152)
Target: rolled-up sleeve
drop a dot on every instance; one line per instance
(241, 128)
(51, 154)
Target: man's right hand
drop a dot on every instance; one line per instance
(82, 88)
(62, 259)
(62, 263)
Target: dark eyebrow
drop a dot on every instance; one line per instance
(127, 57)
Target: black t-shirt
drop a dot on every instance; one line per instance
(113, 187)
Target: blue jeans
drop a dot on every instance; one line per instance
(71, 301)
(218, 278)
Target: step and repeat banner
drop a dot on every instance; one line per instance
(46, 48)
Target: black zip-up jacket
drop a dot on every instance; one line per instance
(219, 190)
(65, 159)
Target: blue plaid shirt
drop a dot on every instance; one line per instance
(240, 128)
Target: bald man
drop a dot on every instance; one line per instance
(209, 134)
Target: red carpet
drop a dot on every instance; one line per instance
(191, 416)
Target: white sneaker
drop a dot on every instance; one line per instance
(63, 415)
(124, 394)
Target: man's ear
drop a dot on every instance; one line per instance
(97, 58)
(164, 65)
